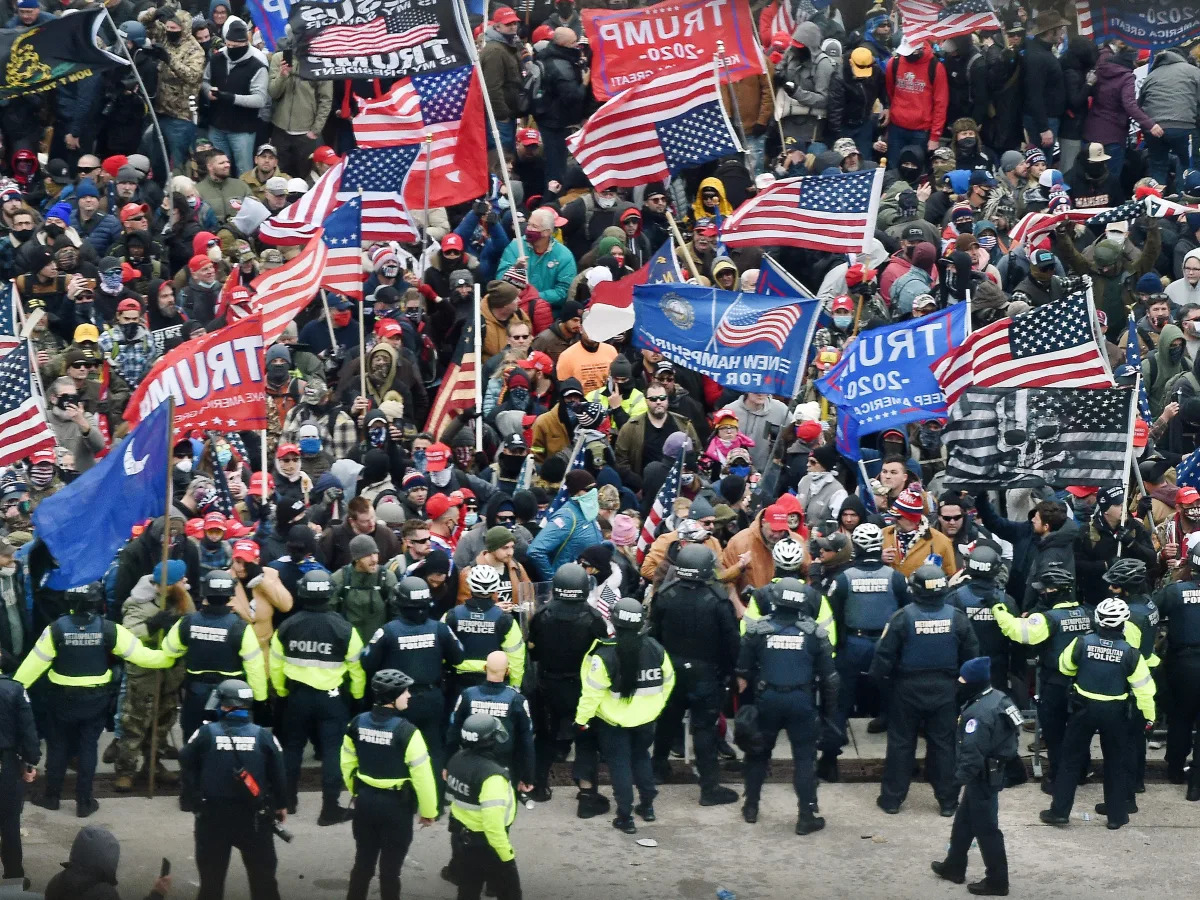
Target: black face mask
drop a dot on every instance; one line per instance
(83, 312)
(967, 145)
(54, 230)
(510, 466)
(236, 53)
(23, 234)
(910, 174)
(174, 37)
(129, 331)
(1175, 354)
(276, 375)
(1095, 169)
(965, 692)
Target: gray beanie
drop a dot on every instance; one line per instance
(362, 545)
(701, 509)
(1010, 159)
(279, 351)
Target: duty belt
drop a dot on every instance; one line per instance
(782, 688)
(559, 676)
(865, 632)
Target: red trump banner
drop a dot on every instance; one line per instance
(630, 46)
(217, 381)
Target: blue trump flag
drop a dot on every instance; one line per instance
(270, 18)
(750, 342)
(87, 523)
(883, 379)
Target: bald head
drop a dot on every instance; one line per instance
(496, 665)
(565, 37)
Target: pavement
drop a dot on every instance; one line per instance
(862, 853)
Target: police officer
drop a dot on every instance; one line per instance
(1179, 604)
(988, 727)
(482, 809)
(387, 767)
(418, 646)
(311, 655)
(560, 634)
(233, 772)
(1105, 668)
(864, 597)
(1059, 620)
(921, 650)
(216, 644)
(506, 703)
(19, 753)
(76, 648)
(482, 626)
(782, 656)
(696, 624)
(789, 558)
(626, 684)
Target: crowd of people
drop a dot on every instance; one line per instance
(502, 557)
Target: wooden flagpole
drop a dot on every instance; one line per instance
(162, 595)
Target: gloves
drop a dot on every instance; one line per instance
(581, 729)
(262, 713)
(162, 619)
(254, 575)
(1128, 536)
(758, 130)
(225, 99)
(158, 52)
(789, 86)
(1149, 728)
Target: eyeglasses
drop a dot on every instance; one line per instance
(213, 243)
(662, 200)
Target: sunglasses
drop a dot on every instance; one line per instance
(957, 518)
(506, 518)
(661, 399)
(84, 365)
(138, 218)
(708, 523)
(418, 540)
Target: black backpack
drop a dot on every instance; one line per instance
(532, 99)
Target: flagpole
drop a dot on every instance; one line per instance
(768, 70)
(328, 320)
(428, 175)
(687, 254)
(263, 454)
(1133, 411)
(723, 78)
(162, 144)
(162, 590)
(478, 373)
(362, 303)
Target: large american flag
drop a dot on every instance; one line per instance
(654, 129)
(781, 20)
(8, 318)
(1133, 357)
(742, 324)
(457, 391)
(1035, 224)
(664, 502)
(23, 427)
(299, 221)
(343, 236)
(446, 107)
(933, 22)
(379, 175)
(835, 213)
(281, 293)
(1053, 345)
(386, 34)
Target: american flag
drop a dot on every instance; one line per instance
(742, 324)
(1053, 345)
(1133, 357)
(1160, 208)
(23, 427)
(283, 292)
(343, 236)
(1033, 225)
(1187, 473)
(386, 34)
(8, 318)
(578, 460)
(782, 20)
(379, 174)
(934, 22)
(835, 213)
(664, 502)
(1126, 212)
(298, 222)
(457, 391)
(654, 129)
(446, 106)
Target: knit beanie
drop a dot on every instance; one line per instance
(909, 505)
(362, 545)
(497, 537)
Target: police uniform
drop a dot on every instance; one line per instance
(387, 767)
(483, 627)
(976, 599)
(508, 705)
(1179, 604)
(227, 816)
(483, 807)
(921, 650)
(1104, 669)
(19, 747)
(560, 635)
(76, 648)
(216, 643)
(763, 599)
(988, 729)
(311, 654)
(696, 625)
(625, 726)
(1144, 616)
(864, 597)
(782, 657)
(419, 649)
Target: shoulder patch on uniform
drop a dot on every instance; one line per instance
(759, 626)
(597, 664)
(559, 521)
(971, 725)
(1015, 715)
(376, 636)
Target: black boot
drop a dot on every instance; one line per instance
(1102, 808)
(827, 767)
(84, 807)
(625, 824)
(942, 869)
(332, 814)
(47, 802)
(646, 811)
(591, 804)
(750, 812)
(1193, 792)
(807, 823)
(718, 796)
(662, 771)
(541, 794)
(987, 888)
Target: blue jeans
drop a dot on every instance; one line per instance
(1159, 150)
(898, 138)
(1117, 163)
(178, 134)
(1034, 136)
(755, 151)
(863, 135)
(237, 145)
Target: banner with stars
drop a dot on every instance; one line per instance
(218, 381)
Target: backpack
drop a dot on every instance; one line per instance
(532, 98)
(1176, 382)
(360, 605)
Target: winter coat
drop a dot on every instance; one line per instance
(565, 535)
(1096, 548)
(631, 439)
(802, 110)
(551, 273)
(908, 287)
(915, 104)
(333, 547)
(566, 92)
(761, 568)
(180, 74)
(101, 230)
(1031, 553)
(365, 600)
(1043, 90)
(500, 63)
(1170, 94)
(549, 434)
(928, 540)
(297, 105)
(1079, 58)
(1114, 102)
(754, 102)
(852, 99)
(142, 605)
(270, 596)
(91, 873)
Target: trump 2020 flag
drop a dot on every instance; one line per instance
(86, 523)
(746, 341)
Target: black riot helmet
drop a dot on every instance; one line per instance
(482, 732)
(792, 593)
(218, 586)
(316, 588)
(983, 564)
(232, 693)
(695, 562)
(571, 583)
(87, 599)
(928, 583)
(388, 684)
(412, 593)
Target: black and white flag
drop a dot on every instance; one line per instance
(1028, 437)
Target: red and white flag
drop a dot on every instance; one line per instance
(457, 391)
(344, 264)
(933, 22)
(281, 293)
(664, 503)
(298, 222)
(23, 427)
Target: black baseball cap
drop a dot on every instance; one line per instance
(913, 233)
(1043, 259)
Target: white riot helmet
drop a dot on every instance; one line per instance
(483, 580)
(868, 538)
(1112, 613)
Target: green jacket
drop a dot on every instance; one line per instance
(298, 106)
(365, 600)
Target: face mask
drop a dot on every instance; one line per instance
(391, 270)
(277, 374)
(110, 282)
(8, 571)
(462, 456)
(510, 466)
(470, 519)
(224, 455)
(23, 234)
(1176, 353)
(184, 465)
(589, 504)
(341, 318)
(83, 311)
(843, 322)
(207, 285)
(967, 145)
(533, 235)
(236, 53)
(213, 254)
(572, 416)
(965, 692)
(1192, 513)
(310, 446)
(41, 475)
(440, 479)
(910, 174)
(174, 37)
(209, 543)
(929, 438)
(740, 470)
(377, 436)
(414, 316)
(129, 332)
(687, 478)
(54, 230)
(520, 396)
(987, 241)
(606, 202)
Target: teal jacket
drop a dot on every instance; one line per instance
(551, 273)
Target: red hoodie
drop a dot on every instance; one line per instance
(915, 105)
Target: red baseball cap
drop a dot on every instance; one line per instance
(842, 301)
(541, 33)
(194, 528)
(214, 521)
(1087, 490)
(129, 210)
(452, 242)
(284, 449)
(245, 550)
(235, 529)
(529, 137)
(386, 328)
(541, 362)
(437, 457)
(261, 483)
(325, 156)
(504, 15)
(43, 456)
(436, 506)
(808, 430)
(129, 305)
(559, 220)
(776, 518)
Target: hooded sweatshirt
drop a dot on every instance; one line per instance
(1171, 92)
(91, 872)
(917, 104)
(723, 206)
(1180, 292)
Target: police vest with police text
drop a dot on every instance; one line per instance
(787, 656)
(1066, 624)
(229, 745)
(930, 643)
(316, 638)
(81, 651)
(1104, 665)
(976, 602)
(213, 637)
(871, 601)
(414, 649)
(480, 631)
(380, 741)
(465, 775)
(1183, 625)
